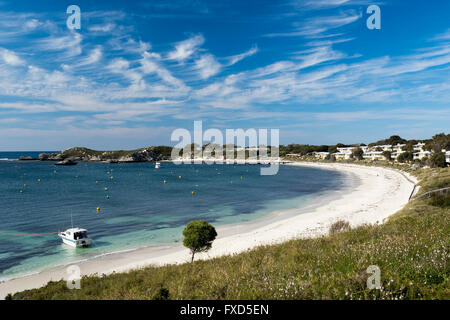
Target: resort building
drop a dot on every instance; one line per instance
(374, 155)
(346, 149)
(320, 155)
(419, 147)
(420, 155)
(398, 148)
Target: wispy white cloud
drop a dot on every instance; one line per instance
(207, 66)
(186, 48)
(236, 58)
(10, 58)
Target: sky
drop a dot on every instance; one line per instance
(137, 70)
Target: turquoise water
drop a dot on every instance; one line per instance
(137, 208)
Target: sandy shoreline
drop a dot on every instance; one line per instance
(379, 193)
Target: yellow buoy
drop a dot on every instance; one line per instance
(21, 191)
(98, 209)
(193, 192)
(179, 177)
(39, 180)
(106, 189)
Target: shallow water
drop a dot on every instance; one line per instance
(137, 208)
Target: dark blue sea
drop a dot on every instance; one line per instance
(136, 207)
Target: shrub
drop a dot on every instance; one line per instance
(162, 294)
(437, 160)
(198, 236)
(358, 153)
(405, 156)
(338, 226)
(387, 155)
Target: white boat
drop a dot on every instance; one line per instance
(157, 165)
(75, 237)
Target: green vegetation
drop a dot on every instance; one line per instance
(406, 156)
(438, 160)
(393, 140)
(338, 226)
(412, 250)
(358, 153)
(198, 236)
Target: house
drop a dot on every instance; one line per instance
(320, 155)
(374, 155)
(342, 155)
(447, 156)
(419, 147)
(386, 147)
(398, 148)
(346, 149)
(395, 154)
(420, 155)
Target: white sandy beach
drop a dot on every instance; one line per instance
(379, 193)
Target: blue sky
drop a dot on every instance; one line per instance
(137, 70)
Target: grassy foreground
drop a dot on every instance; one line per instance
(412, 249)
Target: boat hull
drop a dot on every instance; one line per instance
(82, 243)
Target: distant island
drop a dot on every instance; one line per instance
(149, 154)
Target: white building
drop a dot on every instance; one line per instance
(447, 156)
(398, 148)
(419, 147)
(374, 155)
(320, 155)
(420, 155)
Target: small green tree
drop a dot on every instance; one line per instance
(358, 153)
(198, 236)
(405, 157)
(387, 155)
(438, 160)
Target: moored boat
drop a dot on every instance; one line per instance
(75, 237)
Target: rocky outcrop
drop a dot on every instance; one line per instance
(84, 154)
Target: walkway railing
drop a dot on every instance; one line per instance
(429, 193)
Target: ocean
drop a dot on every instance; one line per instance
(136, 207)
